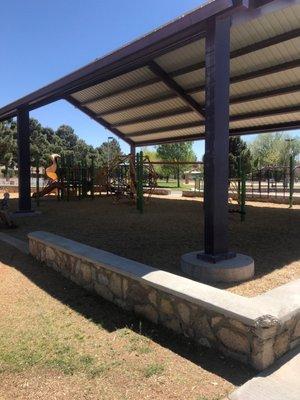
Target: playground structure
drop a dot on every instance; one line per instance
(131, 177)
(135, 178)
(52, 184)
(125, 177)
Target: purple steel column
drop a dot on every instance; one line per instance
(24, 160)
(216, 168)
(132, 151)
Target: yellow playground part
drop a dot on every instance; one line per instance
(51, 171)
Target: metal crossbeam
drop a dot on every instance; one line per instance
(101, 121)
(176, 88)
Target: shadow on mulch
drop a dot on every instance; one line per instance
(112, 318)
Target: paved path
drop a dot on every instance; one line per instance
(19, 244)
(281, 382)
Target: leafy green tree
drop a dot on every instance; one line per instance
(153, 156)
(8, 146)
(176, 152)
(272, 150)
(108, 151)
(44, 141)
(83, 152)
(39, 144)
(238, 150)
(68, 137)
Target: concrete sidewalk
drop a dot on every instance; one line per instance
(280, 382)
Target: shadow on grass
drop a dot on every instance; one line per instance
(112, 318)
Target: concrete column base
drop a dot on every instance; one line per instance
(236, 269)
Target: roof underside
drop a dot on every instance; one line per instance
(164, 100)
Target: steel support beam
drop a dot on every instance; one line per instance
(100, 120)
(216, 168)
(177, 89)
(24, 160)
(133, 151)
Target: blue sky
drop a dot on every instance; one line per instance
(44, 40)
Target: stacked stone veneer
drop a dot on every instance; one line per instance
(249, 197)
(254, 330)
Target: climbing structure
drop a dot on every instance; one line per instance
(124, 176)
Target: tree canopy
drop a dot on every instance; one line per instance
(45, 141)
(266, 150)
(271, 150)
(175, 152)
(108, 151)
(238, 150)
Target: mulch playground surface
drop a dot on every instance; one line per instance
(173, 226)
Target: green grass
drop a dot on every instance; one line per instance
(47, 344)
(154, 369)
(172, 184)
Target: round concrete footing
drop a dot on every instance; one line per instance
(236, 269)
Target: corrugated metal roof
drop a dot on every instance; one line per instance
(190, 116)
(266, 120)
(108, 87)
(145, 111)
(180, 58)
(171, 134)
(186, 67)
(129, 98)
(138, 100)
(276, 102)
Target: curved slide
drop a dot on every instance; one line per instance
(48, 189)
(51, 174)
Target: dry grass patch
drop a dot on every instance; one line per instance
(58, 341)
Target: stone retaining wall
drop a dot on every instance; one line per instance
(250, 197)
(159, 191)
(254, 331)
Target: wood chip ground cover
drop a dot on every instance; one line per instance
(174, 226)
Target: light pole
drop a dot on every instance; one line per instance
(109, 139)
(290, 140)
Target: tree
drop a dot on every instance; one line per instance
(176, 152)
(83, 152)
(8, 146)
(153, 156)
(68, 137)
(238, 150)
(108, 151)
(44, 141)
(39, 144)
(272, 150)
